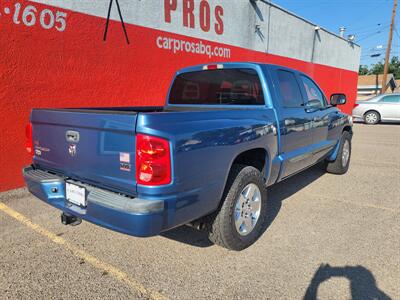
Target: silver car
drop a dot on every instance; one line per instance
(382, 108)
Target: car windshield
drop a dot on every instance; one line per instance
(214, 87)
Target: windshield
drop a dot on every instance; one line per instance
(213, 87)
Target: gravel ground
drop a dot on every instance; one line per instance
(330, 237)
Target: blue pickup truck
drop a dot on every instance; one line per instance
(226, 133)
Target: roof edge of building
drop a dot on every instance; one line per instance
(307, 21)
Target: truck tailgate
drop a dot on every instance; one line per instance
(95, 147)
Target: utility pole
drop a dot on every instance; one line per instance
(386, 68)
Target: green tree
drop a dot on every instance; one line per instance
(377, 68)
(363, 70)
(394, 67)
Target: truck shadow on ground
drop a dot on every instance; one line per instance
(362, 282)
(276, 195)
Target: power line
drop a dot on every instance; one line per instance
(397, 33)
(369, 36)
(364, 28)
(360, 19)
(392, 52)
(363, 37)
(370, 30)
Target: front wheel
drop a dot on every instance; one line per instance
(341, 164)
(372, 117)
(242, 217)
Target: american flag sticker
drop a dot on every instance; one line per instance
(124, 157)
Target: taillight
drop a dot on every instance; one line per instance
(29, 142)
(153, 160)
(213, 67)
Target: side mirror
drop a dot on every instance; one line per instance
(313, 105)
(338, 99)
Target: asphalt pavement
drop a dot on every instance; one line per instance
(329, 237)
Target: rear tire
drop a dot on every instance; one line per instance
(241, 219)
(341, 164)
(372, 117)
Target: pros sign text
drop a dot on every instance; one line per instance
(196, 14)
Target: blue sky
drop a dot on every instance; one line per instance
(369, 20)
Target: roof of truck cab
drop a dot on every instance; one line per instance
(230, 65)
(224, 64)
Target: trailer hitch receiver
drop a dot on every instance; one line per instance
(68, 219)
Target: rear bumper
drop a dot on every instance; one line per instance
(133, 216)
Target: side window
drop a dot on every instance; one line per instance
(390, 99)
(313, 91)
(290, 90)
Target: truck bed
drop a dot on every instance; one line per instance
(105, 152)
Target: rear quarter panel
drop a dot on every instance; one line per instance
(204, 146)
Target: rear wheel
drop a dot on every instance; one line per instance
(341, 164)
(242, 217)
(372, 117)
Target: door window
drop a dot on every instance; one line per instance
(391, 99)
(313, 91)
(290, 90)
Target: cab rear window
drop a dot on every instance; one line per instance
(216, 87)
